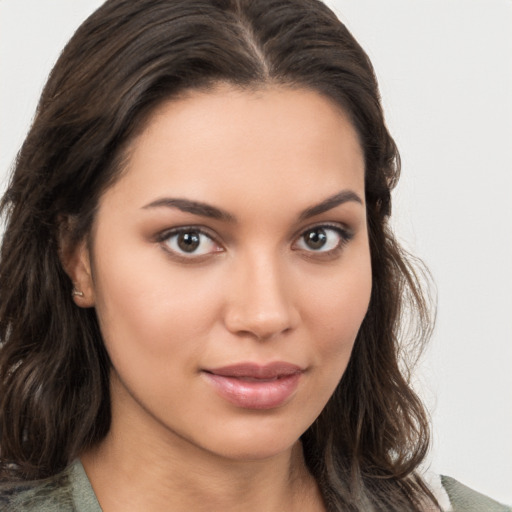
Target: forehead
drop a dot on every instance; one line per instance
(266, 142)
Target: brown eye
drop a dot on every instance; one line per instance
(315, 239)
(322, 239)
(190, 242)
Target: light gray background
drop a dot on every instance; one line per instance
(445, 70)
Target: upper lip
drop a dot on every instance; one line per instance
(257, 371)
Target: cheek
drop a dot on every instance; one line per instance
(334, 315)
(336, 311)
(144, 304)
(341, 300)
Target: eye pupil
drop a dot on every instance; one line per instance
(188, 242)
(316, 238)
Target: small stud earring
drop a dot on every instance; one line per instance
(77, 293)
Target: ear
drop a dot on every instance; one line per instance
(76, 262)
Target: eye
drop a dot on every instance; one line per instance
(189, 242)
(322, 239)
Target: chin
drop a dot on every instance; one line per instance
(251, 452)
(262, 441)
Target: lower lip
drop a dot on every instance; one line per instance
(262, 394)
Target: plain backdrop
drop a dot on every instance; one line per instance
(445, 71)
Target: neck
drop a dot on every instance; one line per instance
(144, 480)
(141, 468)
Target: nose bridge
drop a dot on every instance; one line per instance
(261, 301)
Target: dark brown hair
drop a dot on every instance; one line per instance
(124, 61)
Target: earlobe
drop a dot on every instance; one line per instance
(76, 262)
(78, 268)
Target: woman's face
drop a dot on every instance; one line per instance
(230, 270)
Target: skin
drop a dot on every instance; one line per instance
(254, 290)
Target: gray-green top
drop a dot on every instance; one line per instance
(71, 491)
(464, 499)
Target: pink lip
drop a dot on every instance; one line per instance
(252, 386)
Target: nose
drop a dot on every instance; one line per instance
(261, 300)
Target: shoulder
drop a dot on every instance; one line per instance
(68, 491)
(464, 499)
(52, 493)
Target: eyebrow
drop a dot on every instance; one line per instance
(195, 207)
(331, 202)
(207, 210)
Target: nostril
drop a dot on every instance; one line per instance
(260, 326)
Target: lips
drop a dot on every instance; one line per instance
(252, 386)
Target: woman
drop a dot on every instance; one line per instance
(200, 295)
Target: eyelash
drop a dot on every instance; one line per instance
(344, 238)
(163, 238)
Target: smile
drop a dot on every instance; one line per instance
(251, 386)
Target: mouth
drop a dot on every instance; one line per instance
(252, 386)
